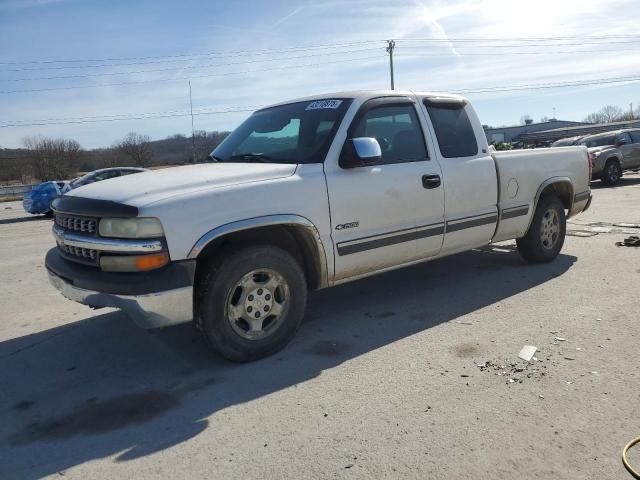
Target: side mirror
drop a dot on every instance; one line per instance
(358, 152)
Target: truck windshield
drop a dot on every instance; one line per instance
(294, 133)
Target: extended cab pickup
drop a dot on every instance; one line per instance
(304, 195)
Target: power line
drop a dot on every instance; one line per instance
(218, 54)
(141, 117)
(224, 74)
(185, 59)
(193, 67)
(518, 39)
(578, 83)
(489, 54)
(530, 45)
(197, 67)
(204, 54)
(178, 113)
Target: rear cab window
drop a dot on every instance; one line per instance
(453, 127)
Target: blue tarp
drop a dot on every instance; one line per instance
(39, 199)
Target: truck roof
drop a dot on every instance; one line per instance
(363, 95)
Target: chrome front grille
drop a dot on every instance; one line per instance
(77, 224)
(80, 254)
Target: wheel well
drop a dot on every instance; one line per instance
(298, 241)
(563, 190)
(613, 159)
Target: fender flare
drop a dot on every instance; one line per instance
(545, 184)
(268, 221)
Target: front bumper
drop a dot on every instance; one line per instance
(153, 299)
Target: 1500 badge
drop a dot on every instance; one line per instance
(344, 226)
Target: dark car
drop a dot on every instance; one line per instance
(38, 200)
(103, 174)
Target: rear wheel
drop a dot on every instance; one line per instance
(251, 302)
(545, 237)
(612, 173)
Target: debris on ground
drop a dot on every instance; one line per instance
(560, 339)
(627, 225)
(581, 233)
(527, 352)
(632, 241)
(600, 229)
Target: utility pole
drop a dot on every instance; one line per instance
(391, 44)
(193, 133)
(631, 109)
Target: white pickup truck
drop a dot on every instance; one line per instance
(304, 195)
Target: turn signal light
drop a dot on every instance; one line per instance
(134, 263)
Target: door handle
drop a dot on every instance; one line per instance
(431, 181)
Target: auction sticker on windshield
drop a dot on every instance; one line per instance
(320, 104)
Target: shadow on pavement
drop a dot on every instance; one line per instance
(627, 180)
(101, 387)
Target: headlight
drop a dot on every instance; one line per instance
(131, 228)
(597, 154)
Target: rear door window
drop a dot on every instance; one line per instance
(635, 136)
(453, 128)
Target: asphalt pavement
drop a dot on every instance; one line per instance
(410, 374)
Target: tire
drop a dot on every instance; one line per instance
(612, 173)
(239, 295)
(545, 237)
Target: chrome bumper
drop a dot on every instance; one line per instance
(155, 310)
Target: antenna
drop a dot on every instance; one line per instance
(193, 133)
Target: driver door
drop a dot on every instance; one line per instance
(375, 208)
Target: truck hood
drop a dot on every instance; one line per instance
(142, 189)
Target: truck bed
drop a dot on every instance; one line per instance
(522, 174)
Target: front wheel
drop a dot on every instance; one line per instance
(545, 237)
(251, 302)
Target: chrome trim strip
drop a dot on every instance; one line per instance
(384, 240)
(514, 212)
(470, 222)
(155, 310)
(117, 245)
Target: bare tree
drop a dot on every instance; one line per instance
(608, 114)
(206, 142)
(136, 148)
(52, 159)
(595, 117)
(611, 113)
(19, 169)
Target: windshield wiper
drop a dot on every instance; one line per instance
(252, 157)
(213, 158)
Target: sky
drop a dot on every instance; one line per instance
(121, 60)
